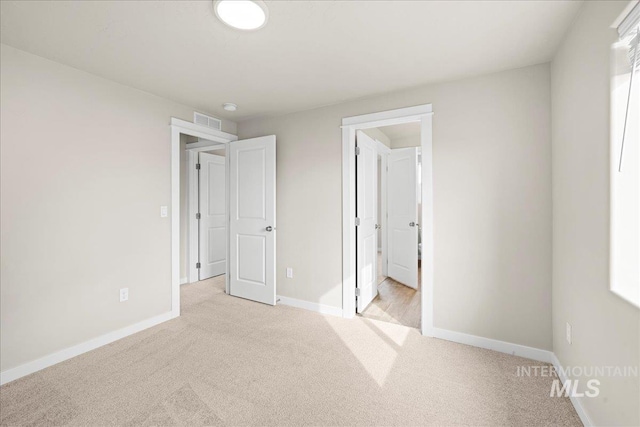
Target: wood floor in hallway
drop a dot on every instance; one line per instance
(395, 303)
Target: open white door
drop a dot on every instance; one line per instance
(366, 212)
(212, 207)
(402, 216)
(252, 219)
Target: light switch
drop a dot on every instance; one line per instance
(164, 212)
(289, 273)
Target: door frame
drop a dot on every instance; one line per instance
(383, 152)
(424, 115)
(178, 127)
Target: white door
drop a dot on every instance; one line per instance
(252, 219)
(212, 225)
(402, 216)
(366, 212)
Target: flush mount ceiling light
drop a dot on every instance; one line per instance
(242, 14)
(229, 106)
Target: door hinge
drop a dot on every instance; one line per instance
(357, 292)
(357, 221)
(197, 216)
(357, 151)
(197, 265)
(198, 166)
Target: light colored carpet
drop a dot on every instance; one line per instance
(235, 362)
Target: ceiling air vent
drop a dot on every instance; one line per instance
(211, 122)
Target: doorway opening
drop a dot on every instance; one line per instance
(204, 208)
(222, 212)
(396, 289)
(388, 217)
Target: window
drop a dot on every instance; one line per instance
(625, 160)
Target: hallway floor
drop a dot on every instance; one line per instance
(395, 303)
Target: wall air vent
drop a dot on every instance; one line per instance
(208, 121)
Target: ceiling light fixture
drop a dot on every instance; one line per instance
(242, 14)
(228, 106)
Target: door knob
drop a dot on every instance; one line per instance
(378, 226)
(412, 224)
(269, 228)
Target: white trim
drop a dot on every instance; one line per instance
(540, 355)
(184, 281)
(203, 132)
(227, 179)
(383, 151)
(192, 209)
(392, 117)
(496, 345)
(427, 257)
(204, 145)
(348, 223)
(576, 401)
(76, 350)
(179, 127)
(422, 114)
(311, 306)
(175, 220)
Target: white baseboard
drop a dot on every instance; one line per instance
(577, 402)
(491, 344)
(68, 353)
(312, 306)
(516, 350)
(184, 280)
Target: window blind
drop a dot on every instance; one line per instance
(629, 25)
(629, 32)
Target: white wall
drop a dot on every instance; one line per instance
(606, 329)
(492, 177)
(85, 167)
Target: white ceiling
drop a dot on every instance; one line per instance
(310, 53)
(403, 131)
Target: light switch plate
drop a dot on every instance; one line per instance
(568, 333)
(164, 211)
(289, 273)
(124, 294)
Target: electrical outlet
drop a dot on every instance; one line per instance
(568, 333)
(124, 294)
(289, 273)
(164, 211)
